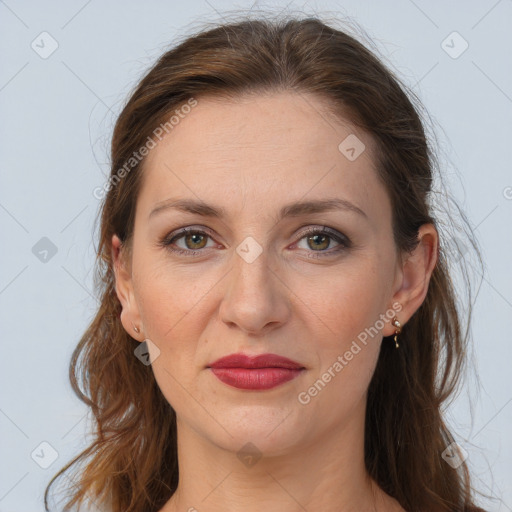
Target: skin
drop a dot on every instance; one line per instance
(251, 157)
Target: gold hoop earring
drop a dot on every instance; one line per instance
(398, 330)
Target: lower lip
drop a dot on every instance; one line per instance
(256, 378)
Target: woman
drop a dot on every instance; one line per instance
(277, 329)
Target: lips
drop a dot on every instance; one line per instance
(260, 372)
(259, 361)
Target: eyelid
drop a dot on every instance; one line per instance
(325, 230)
(188, 229)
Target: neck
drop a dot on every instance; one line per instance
(329, 475)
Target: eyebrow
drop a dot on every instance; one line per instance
(296, 209)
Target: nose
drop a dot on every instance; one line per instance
(256, 300)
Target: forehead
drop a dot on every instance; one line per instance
(262, 148)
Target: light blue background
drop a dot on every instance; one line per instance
(57, 115)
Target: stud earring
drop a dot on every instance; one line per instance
(135, 328)
(398, 330)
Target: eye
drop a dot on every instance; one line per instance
(194, 240)
(318, 240)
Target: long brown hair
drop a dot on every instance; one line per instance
(131, 465)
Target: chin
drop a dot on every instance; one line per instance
(273, 432)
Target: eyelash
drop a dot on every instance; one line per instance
(341, 239)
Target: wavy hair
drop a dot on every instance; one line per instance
(131, 464)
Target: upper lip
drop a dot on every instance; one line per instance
(259, 361)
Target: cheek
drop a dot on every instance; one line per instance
(346, 302)
(173, 307)
(345, 328)
(346, 356)
(168, 298)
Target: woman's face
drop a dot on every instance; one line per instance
(254, 281)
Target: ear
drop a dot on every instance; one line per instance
(414, 275)
(130, 316)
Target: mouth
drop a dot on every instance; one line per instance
(260, 372)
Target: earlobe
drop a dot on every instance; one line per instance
(124, 288)
(417, 269)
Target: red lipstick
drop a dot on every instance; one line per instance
(260, 372)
